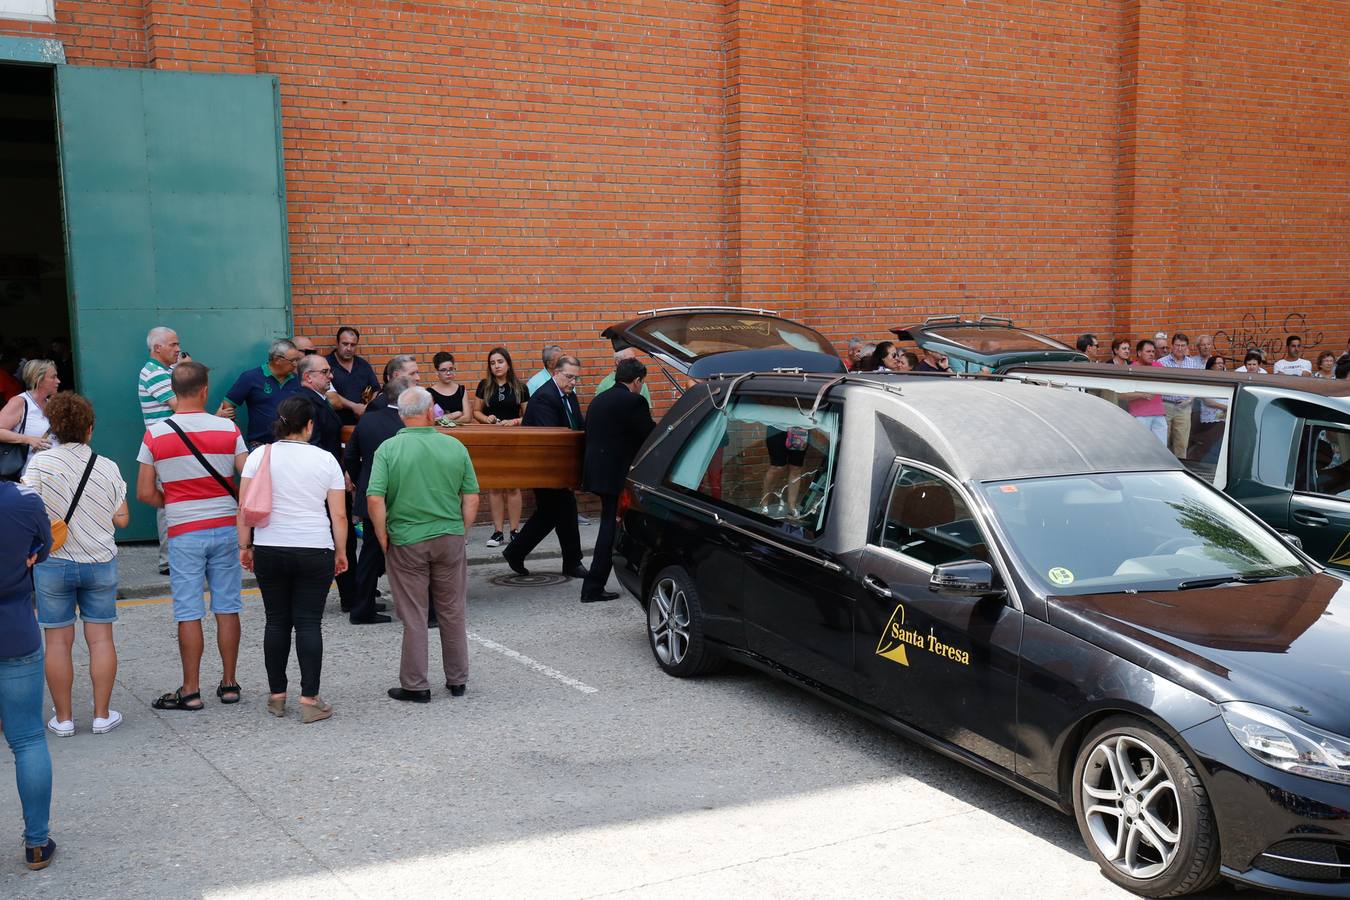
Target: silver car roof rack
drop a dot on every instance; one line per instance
(684, 309)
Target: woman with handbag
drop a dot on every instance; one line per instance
(24, 429)
(292, 536)
(86, 499)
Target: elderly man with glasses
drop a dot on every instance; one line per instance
(262, 389)
(316, 379)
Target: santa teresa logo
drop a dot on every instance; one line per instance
(894, 637)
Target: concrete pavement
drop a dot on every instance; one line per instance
(573, 768)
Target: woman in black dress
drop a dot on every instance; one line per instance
(446, 392)
(500, 399)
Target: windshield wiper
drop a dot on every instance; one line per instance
(1231, 579)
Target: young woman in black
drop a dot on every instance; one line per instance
(446, 392)
(500, 399)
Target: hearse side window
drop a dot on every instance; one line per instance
(1324, 461)
(764, 456)
(928, 520)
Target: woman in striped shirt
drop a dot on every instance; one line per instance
(82, 575)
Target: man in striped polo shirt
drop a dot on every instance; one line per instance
(158, 403)
(201, 511)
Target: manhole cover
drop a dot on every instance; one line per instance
(528, 580)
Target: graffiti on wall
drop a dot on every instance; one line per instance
(1266, 333)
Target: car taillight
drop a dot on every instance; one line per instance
(625, 501)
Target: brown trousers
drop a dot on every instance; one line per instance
(437, 567)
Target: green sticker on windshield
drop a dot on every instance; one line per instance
(1061, 576)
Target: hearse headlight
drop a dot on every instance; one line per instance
(1288, 744)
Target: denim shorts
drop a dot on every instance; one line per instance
(200, 559)
(64, 586)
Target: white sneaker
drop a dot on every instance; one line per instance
(61, 729)
(582, 520)
(495, 540)
(103, 726)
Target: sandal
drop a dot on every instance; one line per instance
(179, 700)
(231, 689)
(315, 712)
(277, 706)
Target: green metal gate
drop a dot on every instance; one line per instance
(175, 215)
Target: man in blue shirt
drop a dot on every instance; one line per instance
(545, 375)
(352, 376)
(1178, 406)
(262, 389)
(25, 540)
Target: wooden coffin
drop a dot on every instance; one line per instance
(518, 457)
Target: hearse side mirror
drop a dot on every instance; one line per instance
(1293, 539)
(967, 578)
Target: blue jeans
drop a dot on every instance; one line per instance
(63, 586)
(21, 684)
(201, 558)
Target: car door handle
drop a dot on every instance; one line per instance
(1308, 517)
(877, 586)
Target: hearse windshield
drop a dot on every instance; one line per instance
(1145, 531)
(690, 336)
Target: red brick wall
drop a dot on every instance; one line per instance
(462, 174)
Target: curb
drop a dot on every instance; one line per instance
(162, 589)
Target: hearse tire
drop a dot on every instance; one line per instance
(675, 625)
(1130, 776)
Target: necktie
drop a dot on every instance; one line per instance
(571, 416)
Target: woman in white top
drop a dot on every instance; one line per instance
(24, 418)
(297, 553)
(1326, 365)
(82, 575)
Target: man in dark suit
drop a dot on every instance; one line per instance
(555, 509)
(617, 423)
(380, 422)
(316, 377)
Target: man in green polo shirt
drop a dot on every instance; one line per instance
(422, 493)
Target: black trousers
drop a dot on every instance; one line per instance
(346, 582)
(367, 571)
(602, 558)
(555, 509)
(294, 583)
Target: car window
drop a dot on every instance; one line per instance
(1324, 461)
(766, 457)
(1190, 420)
(927, 520)
(1276, 438)
(690, 335)
(1082, 534)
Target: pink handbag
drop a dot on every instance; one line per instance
(256, 504)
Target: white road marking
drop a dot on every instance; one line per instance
(532, 663)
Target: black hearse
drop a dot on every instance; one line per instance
(1023, 580)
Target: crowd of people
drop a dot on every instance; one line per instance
(287, 498)
(283, 499)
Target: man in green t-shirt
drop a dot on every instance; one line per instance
(422, 494)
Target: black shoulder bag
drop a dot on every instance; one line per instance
(13, 456)
(224, 482)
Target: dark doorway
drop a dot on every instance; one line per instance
(34, 304)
